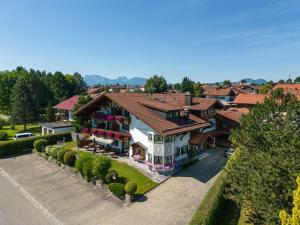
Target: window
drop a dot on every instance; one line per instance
(126, 113)
(149, 157)
(222, 97)
(184, 149)
(168, 139)
(150, 137)
(158, 160)
(177, 151)
(125, 126)
(158, 138)
(168, 160)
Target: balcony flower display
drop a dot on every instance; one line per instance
(108, 133)
(100, 132)
(94, 132)
(86, 130)
(110, 117)
(118, 136)
(119, 118)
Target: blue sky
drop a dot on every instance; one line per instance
(207, 40)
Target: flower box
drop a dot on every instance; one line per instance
(108, 133)
(119, 119)
(118, 136)
(110, 117)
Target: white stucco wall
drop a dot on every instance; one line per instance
(46, 131)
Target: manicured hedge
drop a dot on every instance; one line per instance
(17, 146)
(40, 144)
(117, 189)
(211, 206)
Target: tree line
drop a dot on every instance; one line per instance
(27, 95)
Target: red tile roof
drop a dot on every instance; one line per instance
(67, 104)
(249, 99)
(216, 91)
(233, 114)
(138, 104)
(291, 88)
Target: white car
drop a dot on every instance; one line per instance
(22, 135)
(228, 152)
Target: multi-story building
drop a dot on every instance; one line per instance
(154, 128)
(224, 95)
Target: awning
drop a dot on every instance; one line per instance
(106, 141)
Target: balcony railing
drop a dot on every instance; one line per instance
(112, 118)
(160, 167)
(116, 135)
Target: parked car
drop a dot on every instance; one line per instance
(228, 152)
(22, 135)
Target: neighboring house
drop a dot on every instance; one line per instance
(228, 119)
(153, 128)
(248, 100)
(222, 94)
(66, 107)
(56, 127)
(245, 88)
(290, 88)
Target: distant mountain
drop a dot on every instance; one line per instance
(255, 81)
(97, 79)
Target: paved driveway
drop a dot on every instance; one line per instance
(68, 197)
(73, 201)
(174, 201)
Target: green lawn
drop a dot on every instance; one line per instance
(70, 144)
(34, 128)
(129, 173)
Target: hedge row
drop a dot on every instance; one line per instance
(17, 146)
(211, 206)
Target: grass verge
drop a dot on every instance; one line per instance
(34, 128)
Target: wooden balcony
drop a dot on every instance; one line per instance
(116, 135)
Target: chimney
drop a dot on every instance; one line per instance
(188, 99)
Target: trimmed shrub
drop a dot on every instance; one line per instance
(40, 144)
(3, 136)
(61, 153)
(70, 158)
(18, 146)
(109, 178)
(117, 189)
(80, 161)
(87, 168)
(101, 167)
(130, 188)
(53, 150)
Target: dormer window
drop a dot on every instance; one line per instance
(173, 114)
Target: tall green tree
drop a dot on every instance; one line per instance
(80, 122)
(187, 85)
(23, 107)
(226, 82)
(297, 80)
(262, 172)
(198, 89)
(156, 84)
(50, 113)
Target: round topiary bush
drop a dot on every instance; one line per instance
(87, 168)
(40, 144)
(130, 188)
(101, 167)
(70, 158)
(111, 177)
(3, 136)
(117, 189)
(60, 154)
